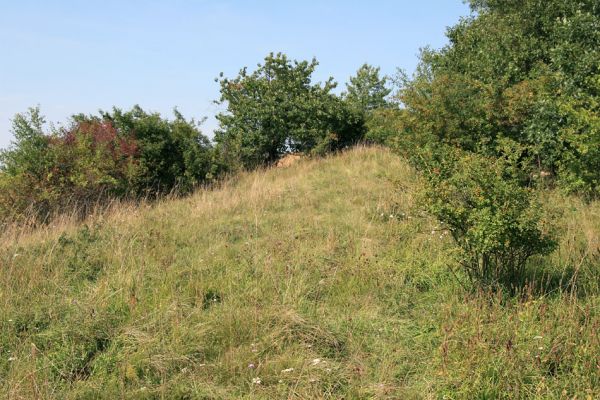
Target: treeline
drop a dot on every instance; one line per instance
(131, 154)
(508, 106)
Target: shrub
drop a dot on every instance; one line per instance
(172, 155)
(496, 222)
(114, 155)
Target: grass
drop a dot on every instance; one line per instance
(320, 280)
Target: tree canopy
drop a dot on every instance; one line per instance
(277, 109)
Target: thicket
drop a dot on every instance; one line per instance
(95, 159)
(509, 105)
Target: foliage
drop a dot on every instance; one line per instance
(173, 154)
(97, 158)
(525, 72)
(277, 109)
(367, 91)
(496, 223)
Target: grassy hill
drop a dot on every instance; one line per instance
(320, 280)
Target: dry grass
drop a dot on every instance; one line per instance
(320, 280)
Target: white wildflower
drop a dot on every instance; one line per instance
(256, 381)
(316, 361)
(287, 370)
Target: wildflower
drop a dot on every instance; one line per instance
(287, 370)
(315, 361)
(256, 381)
(251, 366)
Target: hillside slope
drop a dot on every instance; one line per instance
(320, 280)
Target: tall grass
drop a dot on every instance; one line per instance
(321, 280)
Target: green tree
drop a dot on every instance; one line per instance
(367, 90)
(28, 151)
(276, 109)
(517, 75)
(24, 167)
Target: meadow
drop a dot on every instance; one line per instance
(324, 279)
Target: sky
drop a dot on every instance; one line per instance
(80, 56)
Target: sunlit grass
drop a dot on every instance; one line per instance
(320, 280)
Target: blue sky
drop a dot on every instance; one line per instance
(81, 56)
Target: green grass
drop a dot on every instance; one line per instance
(321, 280)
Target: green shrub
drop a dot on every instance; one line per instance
(496, 222)
(96, 158)
(171, 154)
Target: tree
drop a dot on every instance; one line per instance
(277, 109)
(517, 76)
(28, 151)
(367, 90)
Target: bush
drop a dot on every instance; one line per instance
(496, 223)
(114, 155)
(172, 154)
